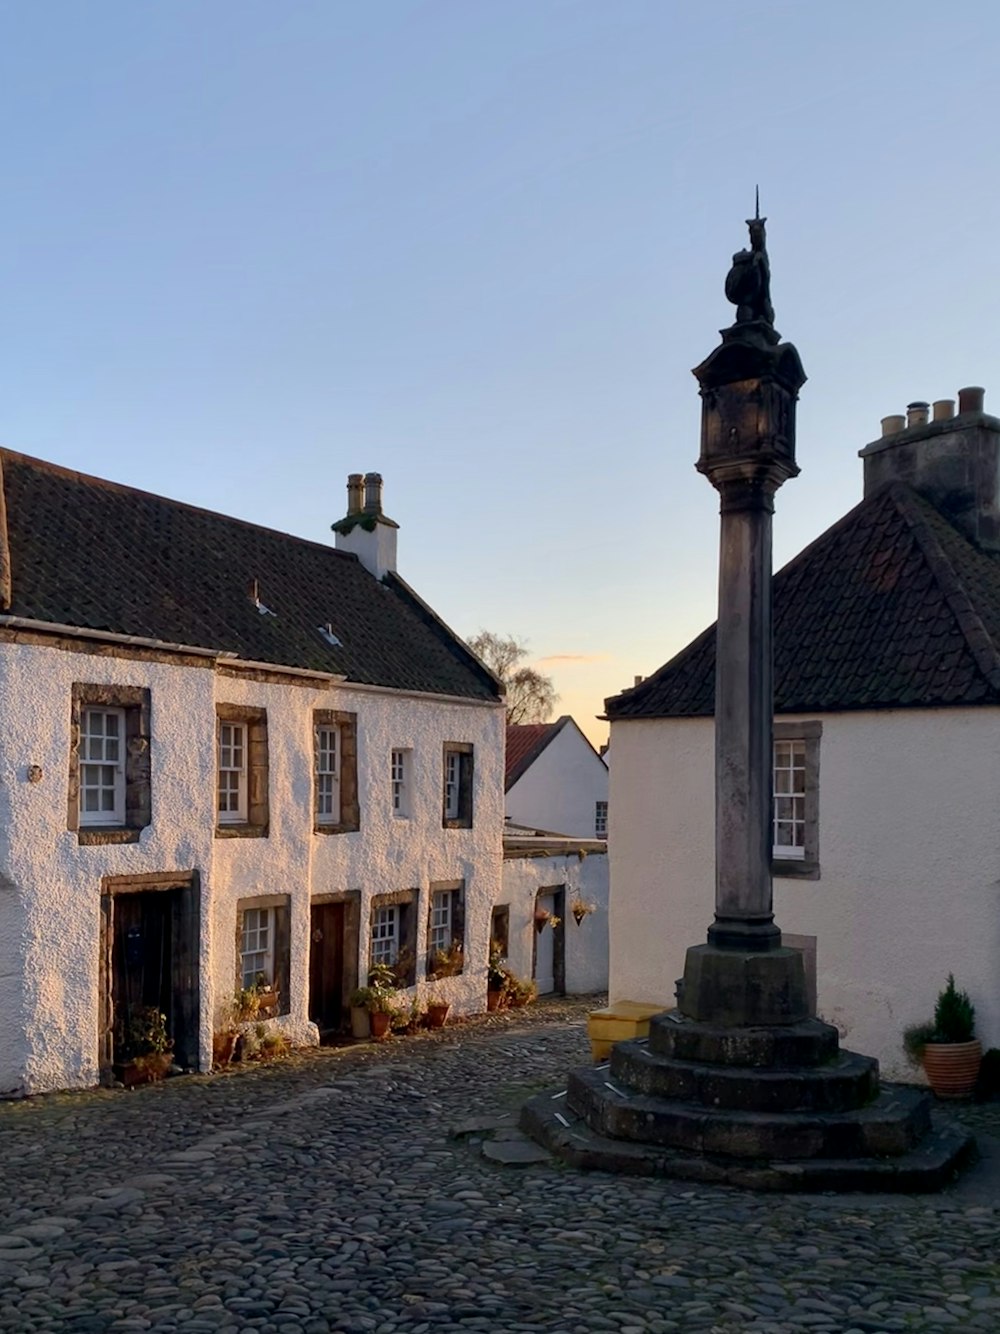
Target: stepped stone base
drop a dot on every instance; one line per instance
(776, 1107)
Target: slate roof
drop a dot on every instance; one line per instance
(96, 555)
(525, 742)
(890, 608)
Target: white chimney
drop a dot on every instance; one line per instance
(365, 530)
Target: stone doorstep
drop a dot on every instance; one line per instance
(623, 1020)
(892, 1124)
(930, 1167)
(848, 1082)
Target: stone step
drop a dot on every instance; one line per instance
(892, 1124)
(811, 1042)
(929, 1166)
(848, 1082)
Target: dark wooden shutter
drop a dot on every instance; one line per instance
(282, 956)
(257, 776)
(465, 770)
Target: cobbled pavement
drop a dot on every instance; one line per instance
(327, 1193)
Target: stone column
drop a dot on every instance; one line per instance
(749, 388)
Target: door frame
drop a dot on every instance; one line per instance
(185, 961)
(558, 893)
(351, 898)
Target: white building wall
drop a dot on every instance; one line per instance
(909, 848)
(57, 883)
(586, 943)
(559, 791)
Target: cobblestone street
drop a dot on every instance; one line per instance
(328, 1194)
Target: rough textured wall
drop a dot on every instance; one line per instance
(559, 790)
(909, 856)
(586, 943)
(58, 883)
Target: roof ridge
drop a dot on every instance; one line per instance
(974, 631)
(75, 475)
(552, 730)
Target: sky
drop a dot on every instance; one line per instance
(477, 246)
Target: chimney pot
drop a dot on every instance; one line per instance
(971, 399)
(355, 488)
(894, 424)
(373, 493)
(917, 414)
(944, 409)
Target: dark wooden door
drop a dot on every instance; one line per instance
(326, 967)
(142, 958)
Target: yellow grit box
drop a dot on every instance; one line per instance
(625, 1019)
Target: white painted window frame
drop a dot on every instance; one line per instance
(452, 784)
(327, 749)
(257, 944)
(600, 819)
(441, 921)
(232, 781)
(102, 758)
(399, 768)
(789, 797)
(385, 935)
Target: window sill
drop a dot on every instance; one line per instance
(336, 828)
(794, 868)
(241, 831)
(456, 824)
(95, 835)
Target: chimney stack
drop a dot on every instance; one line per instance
(952, 461)
(365, 530)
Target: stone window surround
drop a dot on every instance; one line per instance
(280, 945)
(258, 815)
(805, 867)
(406, 901)
(456, 888)
(347, 734)
(135, 701)
(466, 752)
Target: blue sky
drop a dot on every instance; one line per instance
(477, 245)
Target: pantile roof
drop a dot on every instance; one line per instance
(890, 608)
(525, 742)
(96, 555)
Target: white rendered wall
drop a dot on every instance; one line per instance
(559, 791)
(909, 846)
(586, 944)
(58, 883)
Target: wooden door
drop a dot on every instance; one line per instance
(326, 967)
(142, 958)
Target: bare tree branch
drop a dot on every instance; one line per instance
(531, 696)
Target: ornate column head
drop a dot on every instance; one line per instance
(750, 383)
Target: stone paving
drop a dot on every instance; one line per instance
(329, 1194)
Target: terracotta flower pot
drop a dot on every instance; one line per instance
(494, 1000)
(145, 1069)
(952, 1068)
(436, 1015)
(223, 1046)
(380, 1024)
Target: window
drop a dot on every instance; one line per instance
(458, 771)
(600, 819)
(385, 935)
(446, 929)
(795, 850)
(263, 951)
(232, 773)
(400, 777)
(102, 766)
(327, 786)
(242, 772)
(500, 929)
(335, 772)
(257, 946)
(393, 934)
(109, 797)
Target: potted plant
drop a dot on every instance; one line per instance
(448, 962)
(521, 992)
(360, 1000)
(947, 1049)
(580, 909)
(145, 1050)
(496, 980)
(437, 1011)
(382, 991)
(542, 918)
(225, 1036)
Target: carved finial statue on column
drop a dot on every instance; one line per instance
(748, 283)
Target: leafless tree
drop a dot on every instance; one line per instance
(531, 696)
